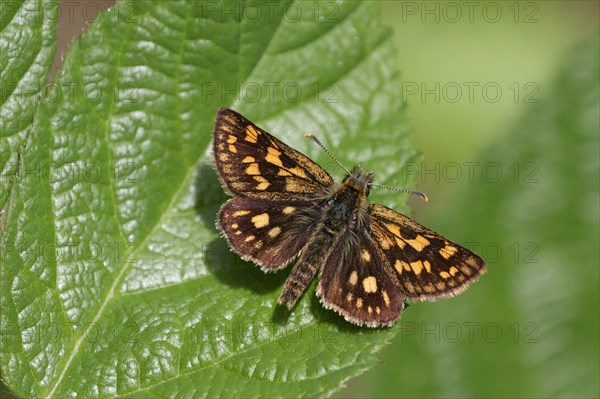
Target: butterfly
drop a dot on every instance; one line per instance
(370, 258)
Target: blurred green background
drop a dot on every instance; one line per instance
(513, 173)
(529, 328)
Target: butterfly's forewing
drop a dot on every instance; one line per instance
(428, 266)
(355, 283)
(269, 233)
(273, 212)
(252, 163)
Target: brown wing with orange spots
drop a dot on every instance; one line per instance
(269, 233)
(426, 265)
(252, 163)
(355, 283)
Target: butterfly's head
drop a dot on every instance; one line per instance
(362, 180)
(359, 179)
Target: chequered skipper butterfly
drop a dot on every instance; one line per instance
(285, 206)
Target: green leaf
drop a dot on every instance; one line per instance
(114, 279)
(529, 328)
(27, 46)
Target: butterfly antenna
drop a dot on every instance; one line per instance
(419, 194)
(316, 140)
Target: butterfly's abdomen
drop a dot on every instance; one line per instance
(312, 257)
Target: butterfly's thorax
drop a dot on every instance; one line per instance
(349, 203)
(341, 210)
(343, 213)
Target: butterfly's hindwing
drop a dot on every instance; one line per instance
(253, 163)
(355, 282)
(270, 233)
(428, 266)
